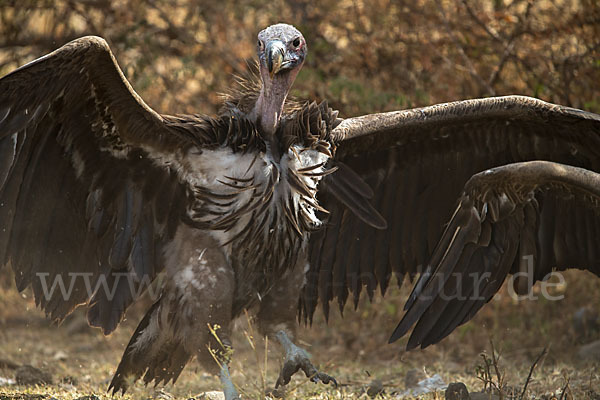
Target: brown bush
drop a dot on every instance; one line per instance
(364, 56)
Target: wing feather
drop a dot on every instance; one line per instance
(427, 155)
(530, 210)
(86, 199)
(340, 291)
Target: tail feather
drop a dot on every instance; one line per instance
(151, 353)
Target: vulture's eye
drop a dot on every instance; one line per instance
(296, 42)
(260, 44)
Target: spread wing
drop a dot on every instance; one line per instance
(87, 198)
(416, 163)
(524, 218)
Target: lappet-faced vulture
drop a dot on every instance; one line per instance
(273, 207)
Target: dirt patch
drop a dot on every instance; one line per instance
(353, 349)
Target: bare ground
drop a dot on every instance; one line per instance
(81, 360)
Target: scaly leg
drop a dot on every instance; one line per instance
(228, 388)
(297, 359)
(277, 319)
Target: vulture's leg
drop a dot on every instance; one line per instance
(203, 289)
(296, 359)
(191, 318)
(229, 389)
(277, 319)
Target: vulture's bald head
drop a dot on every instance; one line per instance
(281, 50)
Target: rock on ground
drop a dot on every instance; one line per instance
(28, 375)
(590, 351)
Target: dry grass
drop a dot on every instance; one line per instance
(352, 349)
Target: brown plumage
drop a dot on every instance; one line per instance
(267, 205)
(526, 219)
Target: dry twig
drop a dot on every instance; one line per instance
(537, 360)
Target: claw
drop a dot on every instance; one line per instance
(296, 359)
(323, 377)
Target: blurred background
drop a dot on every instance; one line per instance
(364, 57)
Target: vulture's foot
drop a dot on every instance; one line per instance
(297, 359)
(229, 389)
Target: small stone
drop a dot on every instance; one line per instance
(28, 375)
(214, 395)
(412, 378)
(60, 356)
(590, 351)
(6, 381)
(586, 321)
(457, 391)
(432, 384)
(374, 388)
(276, 393)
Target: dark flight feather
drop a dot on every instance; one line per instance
(93, 213)
(502, 216)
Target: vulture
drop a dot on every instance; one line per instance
(275, 206)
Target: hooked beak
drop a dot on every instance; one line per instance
(275, 52)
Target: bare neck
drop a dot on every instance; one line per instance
(269, 106)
